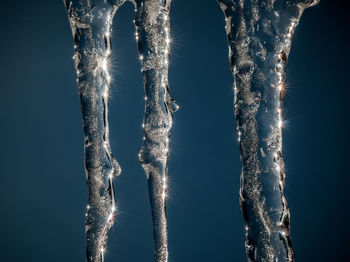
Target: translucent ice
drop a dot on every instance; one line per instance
(259, 36)
(91, 22)
(153, 39)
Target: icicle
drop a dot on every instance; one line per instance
(91, 27)
(259, 37)
(153, 39)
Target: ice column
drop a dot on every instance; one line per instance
(91, 24)
(153, 39)
(259, 37)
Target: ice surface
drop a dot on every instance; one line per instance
(259, 37)
(153, 39)
(91, 23)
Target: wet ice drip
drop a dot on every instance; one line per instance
(91, 23)
(153, 39)
(259, 37)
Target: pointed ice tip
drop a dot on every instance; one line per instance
(116, 167)
(174, 106)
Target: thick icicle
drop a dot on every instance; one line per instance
(259, 36)
(153, 39)
(91, 23)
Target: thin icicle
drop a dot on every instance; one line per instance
(91, 23)
(153, 38)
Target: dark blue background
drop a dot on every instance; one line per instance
(42, 180)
